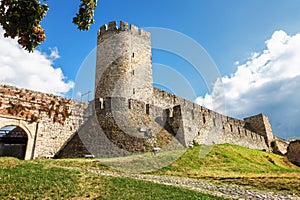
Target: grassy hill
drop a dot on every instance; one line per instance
(225, 163)
(43, 180)
(238, 165)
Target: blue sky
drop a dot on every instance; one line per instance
(229, 30)
(232, 32)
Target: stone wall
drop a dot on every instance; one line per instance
(133, 125)
(281, 145)
(48, 119)
(293, 152)
(124, 70)
(205, 126)
(136, 126)
(260, 124)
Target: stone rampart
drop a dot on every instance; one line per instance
(50, 119)
(205, 126)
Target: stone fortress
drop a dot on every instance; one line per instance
(127, 115)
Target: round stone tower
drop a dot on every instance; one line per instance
(124, 63)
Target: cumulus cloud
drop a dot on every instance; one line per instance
(31, 70)
(268, 82)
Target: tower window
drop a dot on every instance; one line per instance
(133, 55)
(129, 104)
(133, 91)
(132, 72)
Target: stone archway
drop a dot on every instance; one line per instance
(13, 142)
(29, 128)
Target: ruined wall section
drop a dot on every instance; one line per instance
(260, 124)
(281, 145)
(57, 118)
(124, 62)
(293, 152)
(205, 126)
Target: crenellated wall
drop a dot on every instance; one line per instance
(187, 122)
(205, 126)
(123, 53)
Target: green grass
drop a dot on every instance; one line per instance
(57, 179)
(142, 163)
(237, 165)
(46, 179)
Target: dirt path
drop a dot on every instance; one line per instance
(224, 190)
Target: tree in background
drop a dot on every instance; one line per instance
(22, 19)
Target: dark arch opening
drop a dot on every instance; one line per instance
(13, 142)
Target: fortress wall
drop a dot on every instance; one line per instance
(205, 126)
(133, 125)
(57, 117)
(165, 99)
(243, 137)
(138, 106)
(175, 123)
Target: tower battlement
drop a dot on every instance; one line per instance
(124, 62)
(112, 28)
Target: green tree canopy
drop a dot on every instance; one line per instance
(22, 19)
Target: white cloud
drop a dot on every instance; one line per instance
(237, 62)
(54, 53)
(31, 70)
(269, 82)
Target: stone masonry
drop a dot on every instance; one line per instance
(293, 152)
(128, 114)
(124, 71)
(48, 120)
(124, 65)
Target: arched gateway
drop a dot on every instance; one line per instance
(16, 138)
(13, 142)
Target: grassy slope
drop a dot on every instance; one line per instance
(43, 180)
(234, 164)
(224, 164)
